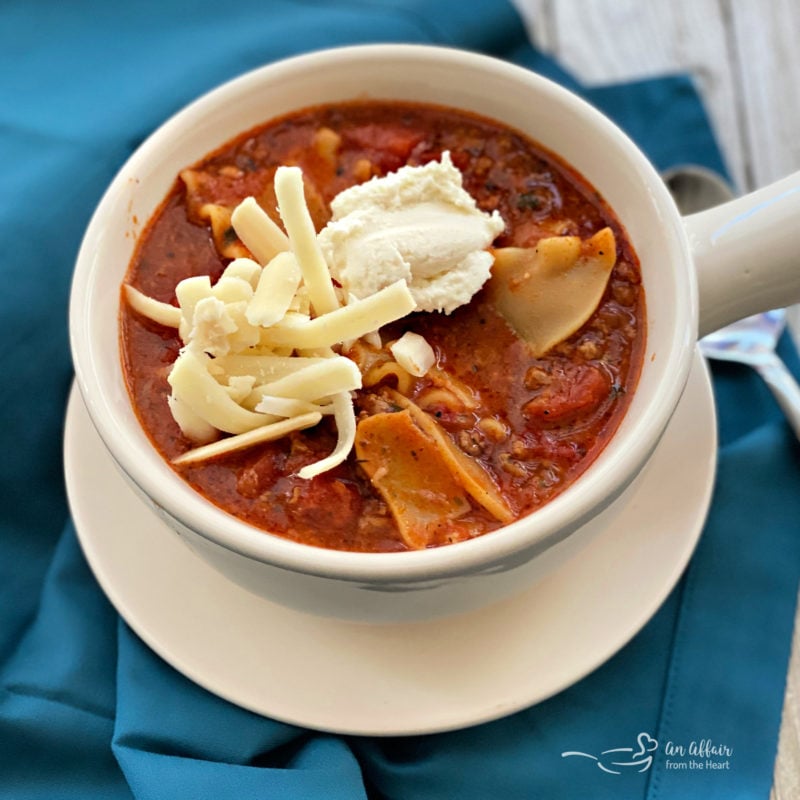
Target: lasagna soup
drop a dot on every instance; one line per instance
(379, 326)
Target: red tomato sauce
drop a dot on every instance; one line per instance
(536, 424)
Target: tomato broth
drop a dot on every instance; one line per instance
(533, 423)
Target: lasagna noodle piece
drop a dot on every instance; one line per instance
(465, 469)
(408, 469)
(432, 396)
(389, 369)
(547, 292)
(327, 144)
(454, 386)
(193, 180)
(225, 238)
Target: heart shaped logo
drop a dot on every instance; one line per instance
(647, 744)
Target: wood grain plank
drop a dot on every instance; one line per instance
(604, 41)
(766, 37)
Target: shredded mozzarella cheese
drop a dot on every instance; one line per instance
(258, 359)
(413, 353)
(266, 433)
(346, 427)
(163, 313)
(262, 237)
(275, 290)
(303, 238)
(260, 356)
(348, 322)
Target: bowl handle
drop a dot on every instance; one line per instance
(747, 254)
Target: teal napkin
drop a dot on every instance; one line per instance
(87, 710)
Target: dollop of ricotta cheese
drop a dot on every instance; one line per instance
(418, 225)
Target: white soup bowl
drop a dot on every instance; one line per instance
(730, 248)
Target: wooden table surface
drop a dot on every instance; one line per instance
(744, 56)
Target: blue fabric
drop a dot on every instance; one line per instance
(87, 710)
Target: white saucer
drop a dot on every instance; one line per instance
(396, 679)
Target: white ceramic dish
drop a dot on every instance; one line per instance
(421, 584)
(397, 679)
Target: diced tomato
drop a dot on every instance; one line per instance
(461, 159)
(389, 145)
(324, 504)
(576, 390)
(259, 476)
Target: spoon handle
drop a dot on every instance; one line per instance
(784, 387)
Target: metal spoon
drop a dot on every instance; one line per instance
(751, 340)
